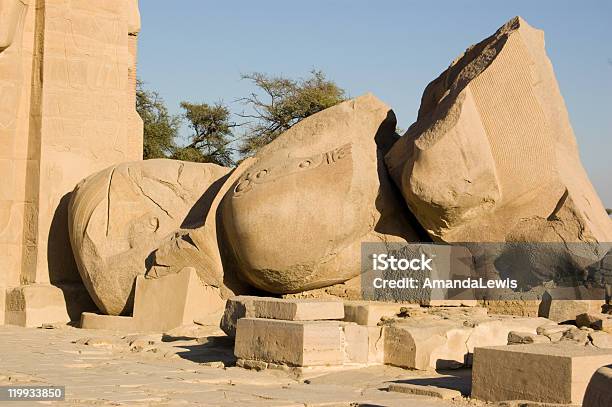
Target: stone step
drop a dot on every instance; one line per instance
(294, 309)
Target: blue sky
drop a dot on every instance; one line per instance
(195, 50)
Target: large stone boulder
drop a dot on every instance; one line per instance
(119, 216)
(296, 218)
(492, 156)
(493, 146)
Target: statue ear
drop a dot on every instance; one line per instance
(11, 14)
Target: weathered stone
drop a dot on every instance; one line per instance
(33, 305)
(559, 304)
(598, 392)
(294, 309)
(552, 331)
(426, 345)
(451, 303)
(298, 309)
(497, 105)
(215, 364)
(515, 337)
(90, 320)
(434, 343)
(576, 336)
(120, 215)
(163, 304)
(104, 342)
(376, 344)
(198, 243)
(431, 391)
(235, 308)
(495, 330)
(2, 304)
(598, 321)
(601, 339)
(327, 167)
(257, 365)
(369, 313)
(174, 300)
(518, 307)
(551, 373)
(294, 343)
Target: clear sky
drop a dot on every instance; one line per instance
(195, 50)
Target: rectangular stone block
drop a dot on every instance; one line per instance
(564, 304)
(369, 313)
(34, 305)
(173, 300)
(427, 345)
(547, 373)
(294, 309)
(298, 309)
(293, 343)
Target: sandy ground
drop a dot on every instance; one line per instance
(183, 367)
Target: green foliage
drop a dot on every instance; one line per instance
(211, 134)
(278, 104)
(285, 103)
(609, 211)
(160, 127)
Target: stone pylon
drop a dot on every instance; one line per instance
(67, 93)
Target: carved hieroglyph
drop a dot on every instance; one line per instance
(120, 215)
(296, 218)
(492, 156)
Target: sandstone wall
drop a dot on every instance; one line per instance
(67, 91)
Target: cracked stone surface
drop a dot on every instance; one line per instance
(121, 215)
(190, 366)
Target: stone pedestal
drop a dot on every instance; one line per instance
(164, 303)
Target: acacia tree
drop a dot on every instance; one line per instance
(160, 127)
(211, 134)
(282, 103)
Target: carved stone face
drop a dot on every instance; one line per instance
(120, 215)
(11, 13)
